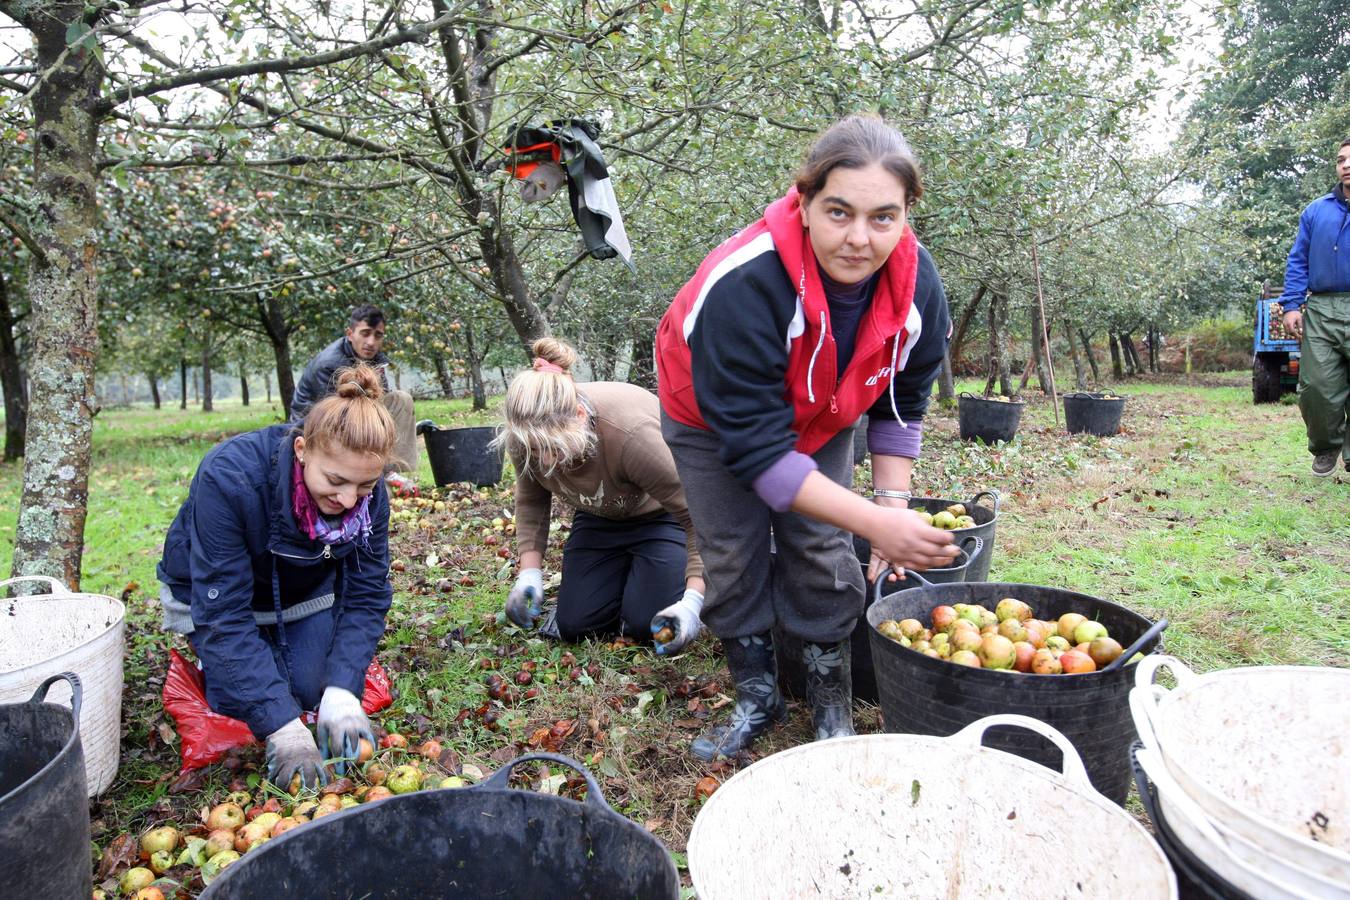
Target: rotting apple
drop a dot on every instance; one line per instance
(1104, 651)
(134, 879)
(1088, 631)
(996, 652)
(218, 840)
(1067, 623)
(162, 838)
(1076, 662)
(161, 861)
(404, 779)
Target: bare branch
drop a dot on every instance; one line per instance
(22, 233)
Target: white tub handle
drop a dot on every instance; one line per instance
(56, 586)
(1072, 768)
(1144, 702)
(1146, 670)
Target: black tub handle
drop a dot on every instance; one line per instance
(888, 572)
(501, 779)
(988, 492)
(971, 554)
(1153, 631)
(76, 692)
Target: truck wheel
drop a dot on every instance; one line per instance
(1266, 377)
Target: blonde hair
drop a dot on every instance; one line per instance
(352, 418)
(541, 411)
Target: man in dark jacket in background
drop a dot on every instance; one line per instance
(1316, 305)
(363, 342)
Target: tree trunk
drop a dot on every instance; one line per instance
(11, 381)
(1041, 335)
(243, 384)
(1004, 358)
(1153, 349)
(1133, 366)
(959, 338)
(946, 381)
(279, 335)
(63, 295)
(1079, 371)
(1116, 370)
(126, 389)
(643, 371)
(182, 383)
(267, 382)
(196, 386)
(1091, 356)
(207, 405)
(508, 274)
(475, 369)
(154, 388)
(443, 376)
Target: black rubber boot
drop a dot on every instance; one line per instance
(759, 706)
(829, 688)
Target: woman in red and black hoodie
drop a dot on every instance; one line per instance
(825, 309)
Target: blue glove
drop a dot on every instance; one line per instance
(342, 724)
(525, 602)
(682, 618)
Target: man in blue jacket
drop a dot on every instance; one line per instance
(1316, 305)
(363, 342)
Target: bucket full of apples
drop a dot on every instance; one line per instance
(949, 654)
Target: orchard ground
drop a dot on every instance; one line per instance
(1203, 511)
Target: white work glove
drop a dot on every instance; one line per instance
(342, 723)
(682, 618)
(290, 750)
(525, 602)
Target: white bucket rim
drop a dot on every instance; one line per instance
(1070, 781)
(1189, 683)
(115, 605)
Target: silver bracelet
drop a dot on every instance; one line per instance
(893, 495)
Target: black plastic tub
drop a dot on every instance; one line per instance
(484, 841)
(986, 524)
(923, 695)
(463, 454)
(1195, 880)
(788, 649)
(987, 420)
(44, 806)
(1092, 413)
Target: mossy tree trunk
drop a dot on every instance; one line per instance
(62, 292)
(11, 381)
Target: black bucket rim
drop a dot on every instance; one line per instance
(873, 620)
(967, 395)
(498, 783)
(1092, 395)
(40, 698)
(972, 503)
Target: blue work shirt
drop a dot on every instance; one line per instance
(1319, 261)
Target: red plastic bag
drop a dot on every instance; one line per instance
(207, 735)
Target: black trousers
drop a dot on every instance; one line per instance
(617, 574)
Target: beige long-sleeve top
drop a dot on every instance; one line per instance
(631, 474)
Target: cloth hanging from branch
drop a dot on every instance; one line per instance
(543, 156)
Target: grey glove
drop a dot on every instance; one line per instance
(342, 724)
(291, 750)
(682, 620)
(525, 602)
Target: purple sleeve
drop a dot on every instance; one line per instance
(778, 485)
(887, 437)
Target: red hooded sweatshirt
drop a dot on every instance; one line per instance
(745, 349)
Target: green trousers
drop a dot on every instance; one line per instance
(1324, 372)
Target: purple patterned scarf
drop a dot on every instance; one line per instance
(355, 522)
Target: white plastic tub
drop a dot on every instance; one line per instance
(1262, 751)
(1241, 863)
(900, 815)
(47, 634)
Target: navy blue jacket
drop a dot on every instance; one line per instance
(235, 547)
(316, 382)
(1319, 261)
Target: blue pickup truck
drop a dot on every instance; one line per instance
(1274, 353)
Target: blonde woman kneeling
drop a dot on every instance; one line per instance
(630, 565)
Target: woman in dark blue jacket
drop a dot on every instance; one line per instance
(276, 568)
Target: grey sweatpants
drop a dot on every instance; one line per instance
(813, 590)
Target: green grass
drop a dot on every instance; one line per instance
(1203, 511)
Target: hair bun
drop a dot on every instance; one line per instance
(555, 351)
(358, 381)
